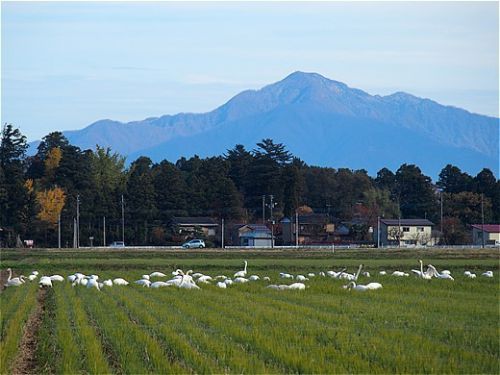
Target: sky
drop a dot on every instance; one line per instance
(65, 65)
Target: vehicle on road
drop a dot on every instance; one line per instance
(117, 244)
(194, 244)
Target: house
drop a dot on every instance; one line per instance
(257, 235)
(491, 234)
(402, 232)
(190, 227)
(312, 229)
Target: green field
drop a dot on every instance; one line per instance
(409, 326)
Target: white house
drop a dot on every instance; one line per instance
(402, 232)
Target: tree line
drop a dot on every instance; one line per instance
(40, 192)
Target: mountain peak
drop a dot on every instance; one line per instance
(323, 121)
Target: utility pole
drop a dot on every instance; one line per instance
(399, 231)
(59, 231)
(441, 221)
(271, 197)
(482, 221)
(123, 222)
(75, 242)
(104, 231)
(263, 209)
(222, 235)
(296, 229)
(78, 220)
(378, 232)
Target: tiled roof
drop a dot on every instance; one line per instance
(407, 222)
(202, 221)
(490, 228)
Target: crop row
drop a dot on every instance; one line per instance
(17, 311)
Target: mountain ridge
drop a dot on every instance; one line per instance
(338, 111)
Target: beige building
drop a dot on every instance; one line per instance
(403, 232)
(491, 234)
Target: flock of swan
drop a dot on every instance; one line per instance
(190, 280)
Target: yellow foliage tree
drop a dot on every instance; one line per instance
(51, 203)
(304, 210)
(52, 161)
(28, 184)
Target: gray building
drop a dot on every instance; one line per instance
(256, 235)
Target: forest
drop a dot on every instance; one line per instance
(42, 192)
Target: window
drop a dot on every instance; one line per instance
(406, 229)
(420, 229)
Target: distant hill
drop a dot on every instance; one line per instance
(324, 122)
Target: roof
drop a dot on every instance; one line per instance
(490, 228)
(201, 221)
(313, 219)
(257, 234)
(254, 227)
(408, 222)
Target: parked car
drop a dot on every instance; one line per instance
(194, 244)
(117, 244)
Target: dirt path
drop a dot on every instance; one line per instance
(25, 362)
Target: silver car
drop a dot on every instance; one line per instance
(194, 244)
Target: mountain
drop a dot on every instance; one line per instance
(324, 122)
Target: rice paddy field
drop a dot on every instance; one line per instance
(409, 326)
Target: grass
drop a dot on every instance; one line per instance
(410, 326)
(19, 303)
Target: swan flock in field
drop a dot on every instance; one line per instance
(190, 280)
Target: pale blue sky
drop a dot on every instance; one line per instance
(66, 65)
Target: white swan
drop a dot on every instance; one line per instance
(71, 278)
(159, 284)
(242, 273)
(120, 281)
(92, 283)
(382, 273)
(321, 273)
(175, 281)
(400, 274)
(56, 278)
(374, 286)
(240, 280)
(266, 278)
(204, 279)
(297, 286)
(143, 282)
(221, 284)
(435, 273)
(188, 282)
(487, 274)
(228, 282)
(157, 274)
(310, 274)
(45, 281)
(254, 278)
(301, 278)
(32, 277)
(427, 275)
(108, 282)
(352, 285)
(362, 288)
(145, 277)
(286, 275)
(16, 281)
